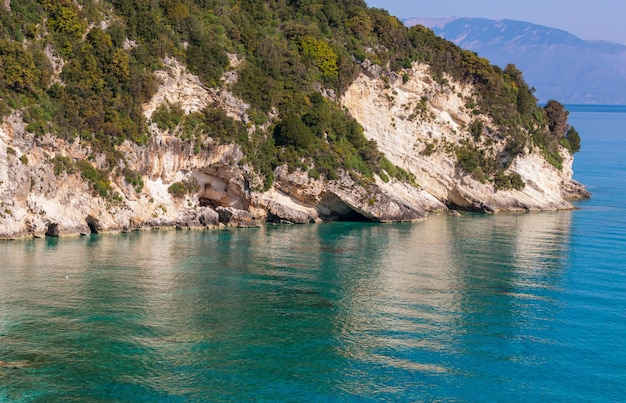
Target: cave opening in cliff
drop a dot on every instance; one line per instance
(52, 230)
(92, 228)
(333, 208)
(93, 224)
(204, 202)
(352, 216)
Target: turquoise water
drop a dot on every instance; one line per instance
(511, 307)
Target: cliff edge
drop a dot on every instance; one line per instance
(418, 125)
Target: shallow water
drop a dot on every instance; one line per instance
(511, 307)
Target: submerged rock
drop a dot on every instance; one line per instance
(14, 364)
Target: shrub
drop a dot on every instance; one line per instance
(206, 58)
(557, 118)
(99, 180)
(64, 17)
(293, 132)
(468, 158)
(179, 190)
(549, 148)
(512, 181)
(62, 164)
(323, 56)
(517, 182)
(167, 117)
(476, 128)
(18, 72)
(428, 150)
(134, 179)
(554, 158)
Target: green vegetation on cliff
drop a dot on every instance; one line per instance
(84, 69)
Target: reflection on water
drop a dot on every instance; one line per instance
(445, 309)
(446, 289)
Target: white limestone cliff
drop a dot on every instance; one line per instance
(405, 118)
(417, 124)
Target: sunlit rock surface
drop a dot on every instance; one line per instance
(415, 122)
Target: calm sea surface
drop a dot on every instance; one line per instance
(511, 307)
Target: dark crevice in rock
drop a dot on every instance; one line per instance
(478, 208)
(274, 218)
(333, 208)
(204, 202)
(93, 224)
(52, 230)
(353, 216)
(92, 228)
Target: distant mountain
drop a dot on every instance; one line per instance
(558, 64)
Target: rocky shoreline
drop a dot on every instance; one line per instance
(40, 196)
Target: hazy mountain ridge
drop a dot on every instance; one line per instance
(558, 64)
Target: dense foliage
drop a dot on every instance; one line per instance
(84, 68)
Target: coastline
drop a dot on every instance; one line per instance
(152, 226)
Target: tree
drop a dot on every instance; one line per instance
(64, 18)
(557, 118)
(476, 128)
(293, 132)
(525, 99)
(573, 138)
(322, 54)
(17, 68)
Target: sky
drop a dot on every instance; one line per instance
(591, 20)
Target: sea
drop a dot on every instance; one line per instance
(478, 308)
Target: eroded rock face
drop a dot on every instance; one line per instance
(235, 217)
(283, 213)
(296, 198)
(198, 218)
(36, 201)
(276, 205)
(413, 122)
(417, 124)
(179, 87)
(221, 185)
(375, 203)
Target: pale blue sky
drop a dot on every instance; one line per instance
(597, 19)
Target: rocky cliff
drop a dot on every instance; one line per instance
(417, 124)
